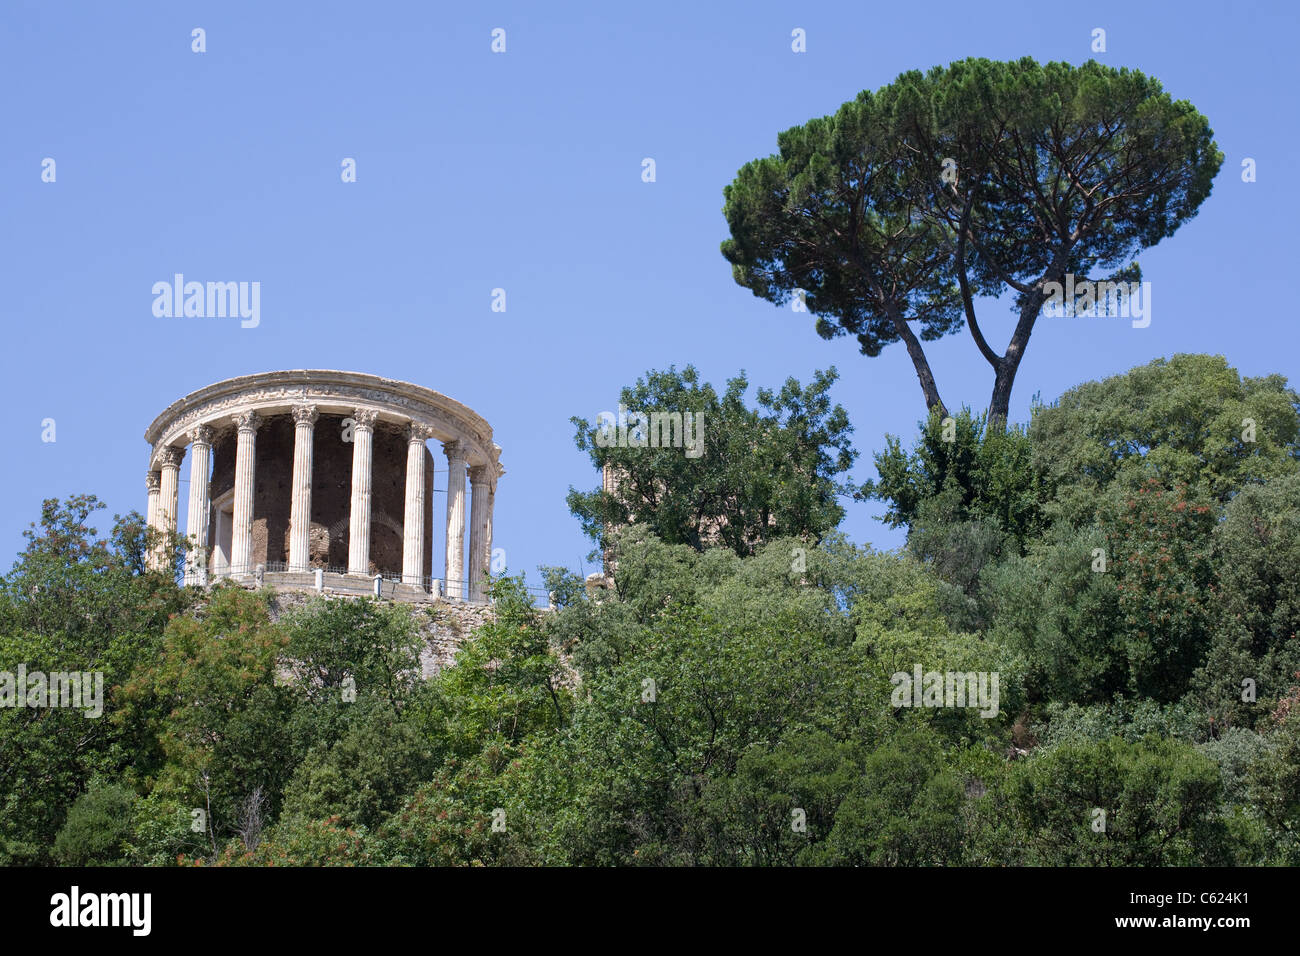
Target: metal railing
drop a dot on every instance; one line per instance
(380, 585)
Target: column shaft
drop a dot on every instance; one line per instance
(495, 471)
(359, 518)
(478, 528)
(168, 499)
(153, 485)
(304, 418)
(200, 506)
(487, 527)
(241, 533)
(455, 452)
(413, 517)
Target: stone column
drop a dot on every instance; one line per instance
(487, 522)
(304, 424)
(168, 498)
(480, 529)
(413, 517)
(153, 484)
(200, 505)
(455, 452)
(363, 432)
(241, 533)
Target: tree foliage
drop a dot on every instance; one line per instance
(724, 707)
(758, 473)
(75, 602)
(1050, 169)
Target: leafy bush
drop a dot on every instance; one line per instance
(98, 827)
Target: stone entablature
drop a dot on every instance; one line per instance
(270, 393)
(302, 470)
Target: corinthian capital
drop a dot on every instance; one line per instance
(305, 414)
(365, 417)
(416, 432)
(201, 435)
(454, 450)
(247, 421)
(171, 456)
(152, 481)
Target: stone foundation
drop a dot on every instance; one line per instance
(444, 625)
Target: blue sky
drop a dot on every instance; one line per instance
(522, 171)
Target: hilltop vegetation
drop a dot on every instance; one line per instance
(1127, 564)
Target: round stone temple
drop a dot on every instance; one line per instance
(323, 479)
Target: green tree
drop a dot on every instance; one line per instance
(975, 472)
(978, 179)
(969, 496)
(1158, 548)
(303, 842)
(75, 602)
(225, 724)
(1273, 779)
(1189, 419)
(98, 827)
(508, 691)
(904, 810)
(508, 681)
(364, 776)
(1256, 603)
(1122, 607)
(1051, 608)
(757, 474)
(782, 803)
(164, 829)
(734, 695)
(1160, 799)
(465, 815)
(376, 645)
(349, 662)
